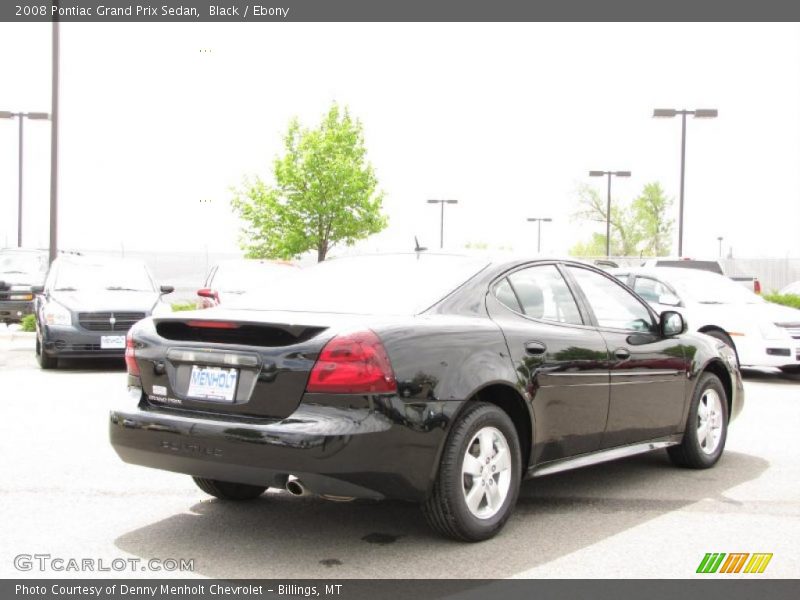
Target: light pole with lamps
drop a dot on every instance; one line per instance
(668, 113)
(608, 202)
(6, 114)
(441, 224)
(539, 221)
(719, 239)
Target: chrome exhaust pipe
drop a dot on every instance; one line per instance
(295, 487)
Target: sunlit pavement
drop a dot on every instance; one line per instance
(65, 493)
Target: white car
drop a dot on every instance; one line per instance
(762, 333)
(792, 288)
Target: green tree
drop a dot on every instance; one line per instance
(638, 228)
(325, 193)
(650, 212)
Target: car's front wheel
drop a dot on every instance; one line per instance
(478, 481)
(706, 428)
(226, 490)
(45, 361)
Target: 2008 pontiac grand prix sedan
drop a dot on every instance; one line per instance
(439, 379)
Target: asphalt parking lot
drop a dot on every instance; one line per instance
(65, 493)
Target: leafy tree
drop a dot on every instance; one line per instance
(325, 193)
(650, 210)
(638, 228)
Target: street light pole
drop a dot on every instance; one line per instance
(608, 201)
(441, 222)
(719, 239)
(539, 230)
(21, 116)
(699, 113)
(54, 72)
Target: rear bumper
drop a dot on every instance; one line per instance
(375, 452)
(12, 311)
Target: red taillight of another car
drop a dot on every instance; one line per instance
(130, 355)
(354, 363)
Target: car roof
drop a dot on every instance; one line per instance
(666, 272)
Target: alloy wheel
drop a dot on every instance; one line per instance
(486, 472)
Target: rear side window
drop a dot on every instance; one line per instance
(506, 295)
(543, 294)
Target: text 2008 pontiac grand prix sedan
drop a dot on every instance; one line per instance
(439, 379)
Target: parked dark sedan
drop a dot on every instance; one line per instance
(20, 270)
(443, 380)
(88, 304)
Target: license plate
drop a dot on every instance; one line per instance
(213, 383)
(111, 342)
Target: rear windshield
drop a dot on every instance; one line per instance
(401, 284)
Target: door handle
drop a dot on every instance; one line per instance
(622, 354)
(535, 348)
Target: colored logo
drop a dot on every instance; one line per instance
(737, 562)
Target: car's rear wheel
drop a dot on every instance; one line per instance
(478, 480)
(706, 428)
(45, 361)
(226, 490)
(725, 339)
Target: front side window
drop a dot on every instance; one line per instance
(613, 305)
(542, 293)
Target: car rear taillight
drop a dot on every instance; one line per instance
(354, 363)
(757, 286)
(130, 355)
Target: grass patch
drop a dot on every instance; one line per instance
(792, 300)
(28, 323)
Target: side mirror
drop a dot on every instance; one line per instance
(36, 289)
(672, 323)
(669, 300)
(208, 293)
(167, 289)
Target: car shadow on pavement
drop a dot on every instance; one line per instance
(763, 376)
(92, 365)
(287, 537)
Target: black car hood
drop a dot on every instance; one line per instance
(106, 300)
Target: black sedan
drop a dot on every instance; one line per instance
(88, 304)
(443, 380)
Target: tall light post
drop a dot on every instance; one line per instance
(608, 202)
(539, 221)
(668, 113)
(719, 239)
(441, 224)
(21, 116)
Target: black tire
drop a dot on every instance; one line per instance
(226, 490)
(446, 509)
(45, 360)
(725, 339)
(690, 452)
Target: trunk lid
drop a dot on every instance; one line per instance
(270, 355)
